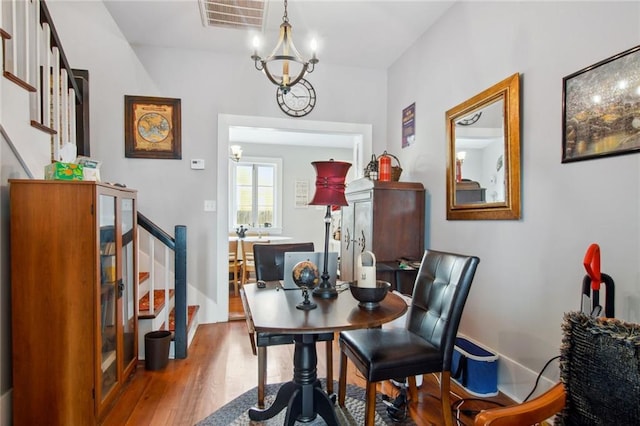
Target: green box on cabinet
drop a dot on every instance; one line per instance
(63, 171)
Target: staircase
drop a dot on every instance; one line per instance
(45, 120)
(162, 295)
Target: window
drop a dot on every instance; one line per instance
(254, 198)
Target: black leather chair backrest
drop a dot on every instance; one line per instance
(269, 259)
(439, 296)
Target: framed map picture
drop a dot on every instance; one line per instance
(152, 127)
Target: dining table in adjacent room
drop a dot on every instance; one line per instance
(274, 310)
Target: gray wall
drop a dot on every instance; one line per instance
(531, 270)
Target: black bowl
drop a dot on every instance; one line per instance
(369, 297)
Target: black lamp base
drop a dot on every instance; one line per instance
(325, 291)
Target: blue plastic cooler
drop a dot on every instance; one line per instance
(474, 368)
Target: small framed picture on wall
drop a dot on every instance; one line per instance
(301, 194)
(408, 125)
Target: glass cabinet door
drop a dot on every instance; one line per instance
(128, 316)
(108, 372)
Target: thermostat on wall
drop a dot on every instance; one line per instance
(197, 164)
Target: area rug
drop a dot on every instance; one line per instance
(236, 412)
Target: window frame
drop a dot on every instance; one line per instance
(276, 227)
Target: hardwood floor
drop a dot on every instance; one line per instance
(220, 366)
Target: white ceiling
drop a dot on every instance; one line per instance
(361, 33)
(388, 28)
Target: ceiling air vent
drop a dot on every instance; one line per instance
(232, 13)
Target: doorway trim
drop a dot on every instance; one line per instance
(362, 148)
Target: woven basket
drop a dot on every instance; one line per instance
(396, 171)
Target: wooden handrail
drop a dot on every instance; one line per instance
(156, 231)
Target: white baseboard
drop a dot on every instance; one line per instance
(516, 381)
(5, 408)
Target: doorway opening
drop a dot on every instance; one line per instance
(357, 137)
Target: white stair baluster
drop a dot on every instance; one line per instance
(46, 76)
(55, 101)
(72, 117)
(64, 107)
(36, 98)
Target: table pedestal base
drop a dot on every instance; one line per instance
(303, 397)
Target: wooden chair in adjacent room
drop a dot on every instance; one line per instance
(269, 263)
(235, 266)
(425, 345)
(248, 263)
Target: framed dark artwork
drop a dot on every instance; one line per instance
(409, 125)
(601, 109)
(152, 127)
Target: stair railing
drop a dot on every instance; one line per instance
(178, 246)
(34, 59)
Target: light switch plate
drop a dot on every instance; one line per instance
(209, 205)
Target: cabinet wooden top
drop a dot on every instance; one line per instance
(69, 182)
(366, 184)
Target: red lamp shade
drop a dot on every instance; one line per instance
(330, 177)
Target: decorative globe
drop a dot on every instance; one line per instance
(305, 274)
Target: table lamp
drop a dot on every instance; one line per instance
(330, 177)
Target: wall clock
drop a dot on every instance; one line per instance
(299, 101)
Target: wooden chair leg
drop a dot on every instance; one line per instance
(252, 338)
(413, 388)
(370, 404)
(329, 346)
(342, 382)
(445, 388)
(262, 374)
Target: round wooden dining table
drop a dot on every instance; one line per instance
(274, 310)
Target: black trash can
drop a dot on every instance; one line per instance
(156, 349)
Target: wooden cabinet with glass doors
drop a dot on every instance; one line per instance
(73, 292)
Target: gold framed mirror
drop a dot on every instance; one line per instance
(483, 155)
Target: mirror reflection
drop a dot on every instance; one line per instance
(479, 146)
(483, 164)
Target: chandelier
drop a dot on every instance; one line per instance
(285, 53)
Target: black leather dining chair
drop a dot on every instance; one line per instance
(269, 266)
(425, 345)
